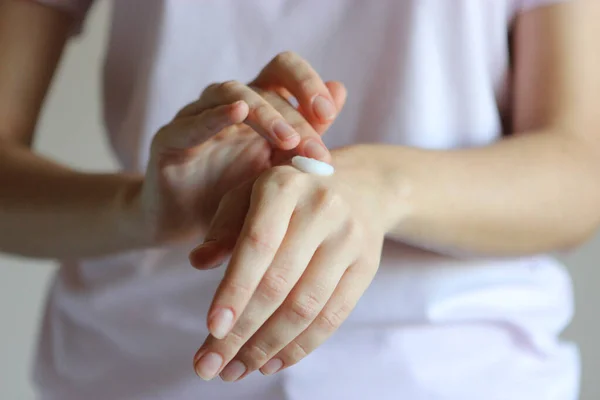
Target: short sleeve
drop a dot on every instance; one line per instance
(78, 9)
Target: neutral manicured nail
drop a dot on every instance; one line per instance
(199, 354)
(272, 366)
(233, 371)
(283, 130)
(209, 365)
(323, 108)
(220, 322)
(314, 149)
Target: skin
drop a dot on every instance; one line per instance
(304, 248)
(191, 164)
(501, 207)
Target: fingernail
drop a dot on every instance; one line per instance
(314, 149)
(204, 255)
(203, 246)
(283, 130)
(323, 108)
(233, 371)
(272, 366)
(220, 322)
(209, 365)
(199, 354)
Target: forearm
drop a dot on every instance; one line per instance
(532, 193)
(50, 211)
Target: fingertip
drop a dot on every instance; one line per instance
(338, 92)
(316, 149)
(286, 136)
(209, 255)
(220, 322)
(239, 111)
(324, 108)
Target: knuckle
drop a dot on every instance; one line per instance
(353, 232)
(295, 352)
(260, 241)
(327, 199)
(329, 321)
(279, 181)
(211, 88)
(305, 309)
(236, 290)
(285, 57)
(231, 86)
(288, 181)
(235, 339)
(308, 84)
(256, 354)
(273, 287)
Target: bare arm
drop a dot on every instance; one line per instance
(537, 191)
(48, 210)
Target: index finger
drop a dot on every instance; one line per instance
(263, 232)
(263, 117)
(292, 72)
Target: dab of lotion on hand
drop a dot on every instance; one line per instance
(312, 166)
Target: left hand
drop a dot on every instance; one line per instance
(306, 249)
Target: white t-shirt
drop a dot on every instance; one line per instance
(425, 73)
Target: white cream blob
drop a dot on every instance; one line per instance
(312, 166)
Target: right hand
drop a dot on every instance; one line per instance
(211, 146)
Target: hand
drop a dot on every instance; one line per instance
(307, 248)
(291, 77)
(206, 150)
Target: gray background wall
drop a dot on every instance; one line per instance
(71, 130)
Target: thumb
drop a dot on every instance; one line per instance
(224, 229)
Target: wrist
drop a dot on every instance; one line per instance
(376, 173)
(130, 220)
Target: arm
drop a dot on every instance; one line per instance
(537, 191)
(304, 248)
(48, 210)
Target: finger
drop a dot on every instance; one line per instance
(272, 203)
(193, 131)
(224, 229)
(339, 94)
(307, 146)
(292, 72)
(300, 308)
(196, 107)
(316, 148)
(303, 237)
(351, 287)
(262, 117)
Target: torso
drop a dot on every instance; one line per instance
(425, 73)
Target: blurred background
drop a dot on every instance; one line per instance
(71, 130)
